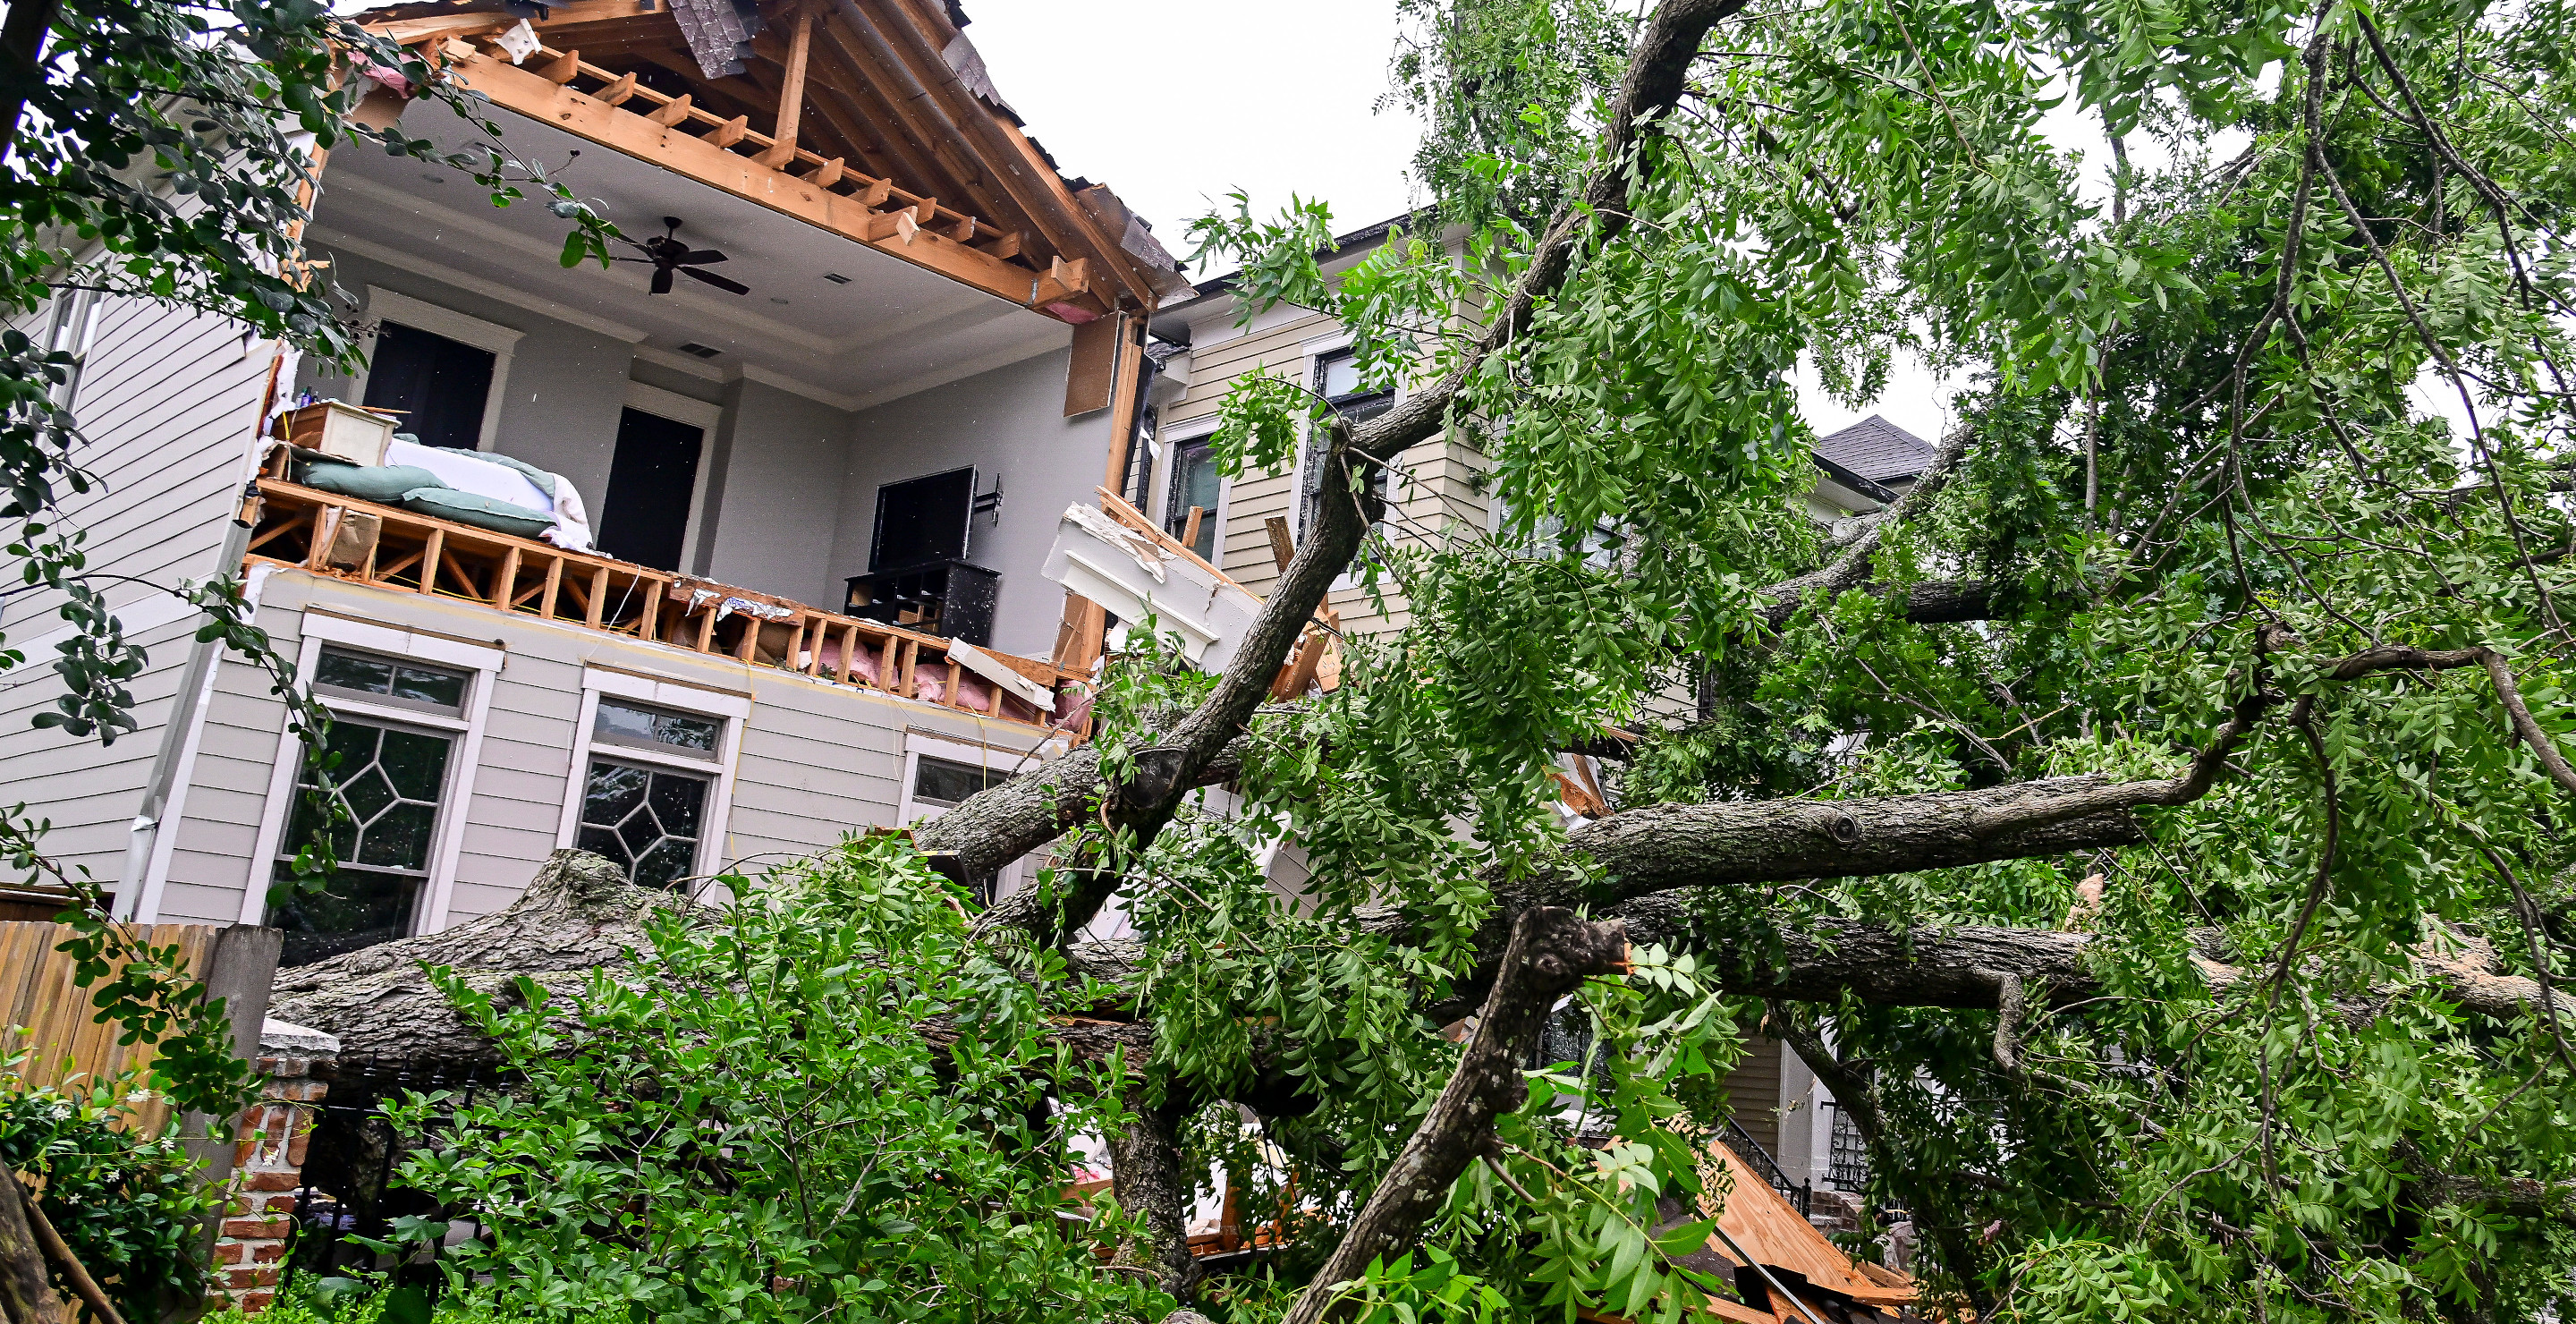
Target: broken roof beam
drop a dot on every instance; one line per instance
(585, 116)
(926, 80)
(910, 110)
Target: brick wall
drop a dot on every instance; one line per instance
(268, 1163)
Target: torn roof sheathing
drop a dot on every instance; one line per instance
(1773, 1232)
(892, 87)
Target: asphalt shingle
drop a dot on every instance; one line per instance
(1877, 450)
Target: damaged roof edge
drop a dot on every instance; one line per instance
(718, 32)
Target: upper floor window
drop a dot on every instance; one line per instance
(440, 385)
(1337, 379)
(1189, 512)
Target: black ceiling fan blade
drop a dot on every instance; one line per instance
(701, 257)
(730, 287)
(661, 280)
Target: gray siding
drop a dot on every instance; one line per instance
(817, 760)
(167, 401)
(564, 391)
(775, 495)
(1009, 423)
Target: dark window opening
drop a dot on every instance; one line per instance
(1194, 487)
(945, 782)
(440, 385)
(647, 819)
(922, 520)
(389, 781)
(651, 483)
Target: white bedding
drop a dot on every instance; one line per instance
(466, 471)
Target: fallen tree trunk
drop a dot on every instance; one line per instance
(579, 914)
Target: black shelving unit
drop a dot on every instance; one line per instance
(948, 598)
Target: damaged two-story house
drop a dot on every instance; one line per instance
(694, 560)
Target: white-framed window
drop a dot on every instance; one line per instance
(1330, 368)
(652, 774)
(1187, 476)
(939, 772)
(408, 711)
(446, 370)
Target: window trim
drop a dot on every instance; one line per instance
(990, 757)
(384, 305)
(1399, 479)
(1165, 471)
(727, 706)
(696, 413)
(482, 663)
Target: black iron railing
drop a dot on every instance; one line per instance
(1849, 1170)
(1764, 1166)
(349, 1189)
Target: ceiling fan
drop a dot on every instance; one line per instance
(668, 254)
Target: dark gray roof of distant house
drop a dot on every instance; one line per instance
(1877, 450)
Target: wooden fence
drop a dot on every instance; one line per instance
(49, 1016)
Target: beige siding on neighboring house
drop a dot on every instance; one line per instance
(1440, 490)
(816, 760)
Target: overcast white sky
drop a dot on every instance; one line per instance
(1175, 103)
(1273, 100)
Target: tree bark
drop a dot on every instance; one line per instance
(578, 915)
(1551, 951)
(1145, 1161)
(22, 43)
(26, 1291)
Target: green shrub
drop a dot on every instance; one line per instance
(824, 1103)
(127, 1204)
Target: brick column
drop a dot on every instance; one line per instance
(268, 1163)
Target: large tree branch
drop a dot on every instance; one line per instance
(1165, 773)
(1551, 951)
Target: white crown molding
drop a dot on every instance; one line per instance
(753, 372)
(676, 361)
(489, 289)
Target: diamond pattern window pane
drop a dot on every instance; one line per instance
(389, 781)
(644, 818)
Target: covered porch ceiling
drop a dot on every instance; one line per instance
(884, 328)
(873, 118)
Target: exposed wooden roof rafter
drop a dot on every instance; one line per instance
(573, 110)
(887, 143)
